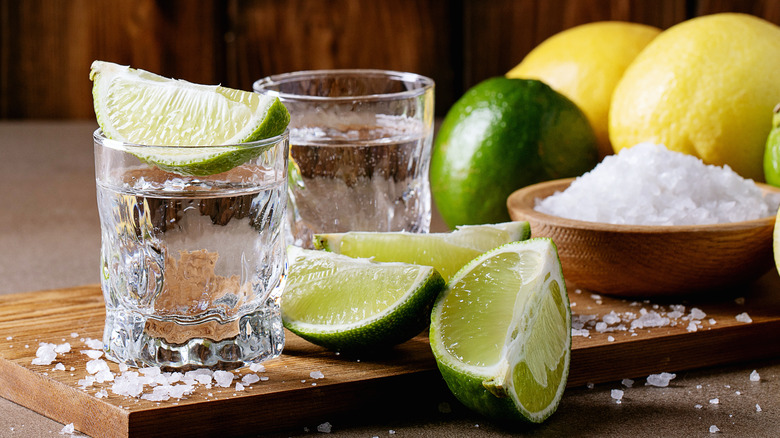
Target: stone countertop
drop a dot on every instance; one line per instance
(50, 237)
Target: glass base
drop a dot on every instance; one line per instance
(142, 341)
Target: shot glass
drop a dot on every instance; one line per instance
(360, 143)
(192, 267)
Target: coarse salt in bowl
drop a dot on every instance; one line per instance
(650, 222)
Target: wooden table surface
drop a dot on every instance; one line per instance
(49, 235)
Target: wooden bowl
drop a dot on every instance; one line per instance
(648, 260)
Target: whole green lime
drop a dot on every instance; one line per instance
(502, 135)
(772, 151)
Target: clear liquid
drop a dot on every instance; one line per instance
(361, 178)
(192, 272)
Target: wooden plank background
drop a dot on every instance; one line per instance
(46, 46)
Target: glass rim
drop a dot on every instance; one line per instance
(426, 83)
(101, 139)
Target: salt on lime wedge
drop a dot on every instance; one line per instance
(343, 303)
(447, 252)
(142, 108)
(501, 332)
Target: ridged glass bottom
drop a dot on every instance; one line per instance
(138, 340)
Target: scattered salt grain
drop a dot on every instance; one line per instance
(714, 429)
(96, 365)
(74, 335)
(697, 313)
(324, 427)
(712, 321)
(660, 380)
(610, 339)
(45, 354)
(617, 395)
(264, 378)
(68, 428)
(9, 338)
(628, 383)
(744, 317)
(658, 187)
(754, 376)
(257, 367)
(239, 386)
(250, 379)
(590, 385)
(692, 327)
(59, 367)
(698, 406)
(580, 332)
(94, 344)
(611, 318)
(601, 327)
(93, 354)
(714, 401)
(224, 378)
(316, 375)
(649, 319)
(758, 408)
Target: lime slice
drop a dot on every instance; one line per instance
(142, 108)
(447, 252)
(501, 332)
(354, 304)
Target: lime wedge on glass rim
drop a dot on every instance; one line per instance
(501, 332)
(208, 122)
(349, 304)
(447, 252)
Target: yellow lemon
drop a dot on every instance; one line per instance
(705, 87)
(585, 63)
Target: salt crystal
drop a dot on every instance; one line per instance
(45, 354)
(86, 382)
(101, 394)
(96, 365)
(744, 317)
(68, 428)
(92, 354)
(658, 187)
(601, 327)
(714, 429)
(628, 383)
(754, 376)
(224, 378)
(264, 378)
(649, 319)
(239, 386)
(692, 327)
(391, 432)
(95, 344)
(611, 318)
(9, 338)
(59, 367)
(316, 375)
(714, 401)
(758, 408)
(712, 321)
(616, 394)
(697, 313)
(698, 406)
(257, 367)
(610, 339)
(104, 376)
(580, 332)
(660, 380)
(590, 385)
(324, 427)
(74, 335)
(250, 379)
(151, 371)
(129, 384)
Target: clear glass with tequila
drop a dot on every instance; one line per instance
(192, 266)
(360, 150)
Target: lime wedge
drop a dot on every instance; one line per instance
(447, 252)
(343, 303)
(501, 332)
(142, 108)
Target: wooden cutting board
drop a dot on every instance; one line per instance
(290, 398)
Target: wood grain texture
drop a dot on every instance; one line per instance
(401, 379)
(46, 46)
